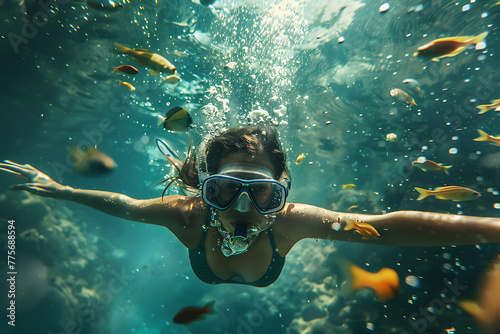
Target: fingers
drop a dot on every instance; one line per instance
(20, 187)
(33, 185)
(26, 171)
(12, 163)
(10, 171)
(27, 166)
(34, 188)
(18, 171)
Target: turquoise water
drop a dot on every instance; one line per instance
(328, 100)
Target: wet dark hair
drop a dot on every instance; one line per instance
(251, 140)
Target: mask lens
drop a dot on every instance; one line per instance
(220, 192)
(267, 196)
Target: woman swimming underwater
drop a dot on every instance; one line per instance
(240, 228)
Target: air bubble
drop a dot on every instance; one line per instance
(412, 281)
(480, 45)
(385, 7)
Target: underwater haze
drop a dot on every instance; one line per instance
(321, 72)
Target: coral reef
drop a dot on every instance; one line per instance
(61, 285)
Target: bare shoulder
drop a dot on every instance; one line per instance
(289, 225)
(184, 216)
(296, 215)
(300, 221)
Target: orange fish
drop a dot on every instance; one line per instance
(127, 69)
(366, 230)
(193, 313)
(403, 96)
(385, 282)
(485, 107)
(452, 193)
(486, 311)
(448, 47)
(483, 136)
(430, 165)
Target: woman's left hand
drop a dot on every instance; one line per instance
(39, 183)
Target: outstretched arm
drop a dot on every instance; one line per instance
(173, 212)
(399, 228)
(417, 228)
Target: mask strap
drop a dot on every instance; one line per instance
(201, 160)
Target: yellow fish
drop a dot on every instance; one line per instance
(366, 230)
(448, 47)
(385, 282)
(127, 85)
(452, 193)
(483, 136)
(158, 64)
(348, 186)
(177, 119)
(403, 96)
(230, 66)
(391, 137)
(486, 311)
(299, 159)
(352, 207)
(172, 79)
(180, 54)
(431, 165)
(91, 161)
(485, 107)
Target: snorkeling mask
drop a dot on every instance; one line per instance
(222, 190)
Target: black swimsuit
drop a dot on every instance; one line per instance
(201, 269)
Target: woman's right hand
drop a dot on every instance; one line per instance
(38, 182)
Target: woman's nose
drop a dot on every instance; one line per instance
(242, 203)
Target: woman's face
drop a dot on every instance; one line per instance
(243, 211)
